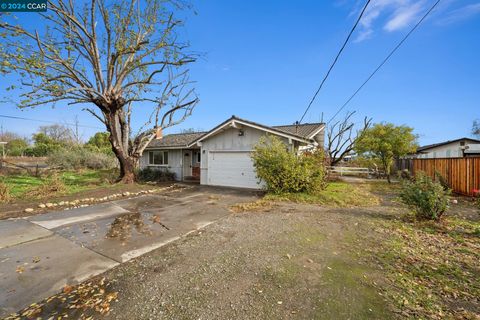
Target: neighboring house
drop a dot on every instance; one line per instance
(459, 148)
(221, 156)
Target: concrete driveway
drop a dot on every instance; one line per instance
(41, 254)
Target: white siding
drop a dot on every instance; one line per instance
(451, 150)
(174, 162)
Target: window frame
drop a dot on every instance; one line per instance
(151, 158)
(198, 157)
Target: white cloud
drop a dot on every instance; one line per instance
(462, 13)
(364, 35)
(404, 16)
(393, 14)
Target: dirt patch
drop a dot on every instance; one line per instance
(256, 206)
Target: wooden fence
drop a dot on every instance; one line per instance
(462, 174)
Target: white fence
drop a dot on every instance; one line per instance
(355, 171)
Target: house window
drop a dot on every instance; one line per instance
(158, 157)
(199, 157)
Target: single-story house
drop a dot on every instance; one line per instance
(221, 156)
(458, 148)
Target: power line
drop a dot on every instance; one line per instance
(385, 60)
(335, 60)
(46, 121)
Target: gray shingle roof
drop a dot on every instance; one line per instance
(175, 140)
(304, 130)
(178, 140)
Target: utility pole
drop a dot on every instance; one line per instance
(76, 130)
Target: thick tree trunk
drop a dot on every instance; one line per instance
(119, 138)
(127, 170)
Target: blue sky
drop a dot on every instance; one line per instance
(263, 60)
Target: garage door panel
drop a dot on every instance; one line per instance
(234, 169)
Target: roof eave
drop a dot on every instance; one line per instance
(166, 147)
(313, 134)
(233, 120)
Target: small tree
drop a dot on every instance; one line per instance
(284, 171)
(58, 133)
(43, 145)
(100, 142)
(386, 142)
(16, 147)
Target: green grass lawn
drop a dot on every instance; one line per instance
(74, 181)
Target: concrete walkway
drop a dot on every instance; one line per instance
(41, 254)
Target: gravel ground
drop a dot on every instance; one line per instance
(296, 261)
(289, 261)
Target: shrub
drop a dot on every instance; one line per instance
(16, 147)
(52, 185)
(441, 179)
(41, 150)
(405, 174)
(4, 193)
(156, 175)
(284, 171)
(79, 157)
(427, 198)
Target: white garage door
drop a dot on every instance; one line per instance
(232, 169)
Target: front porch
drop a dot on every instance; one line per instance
(191, 165)
(183, 162)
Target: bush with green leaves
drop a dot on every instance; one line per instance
(81, 158)
(442, 180)
(427, 198)
(284, 171)
(155, 175)
(16, 147)
(100, 143)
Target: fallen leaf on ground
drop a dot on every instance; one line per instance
(67, 289)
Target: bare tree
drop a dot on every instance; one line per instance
(8, 136)
(113, 56)
(58, 133)
(341, 137)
